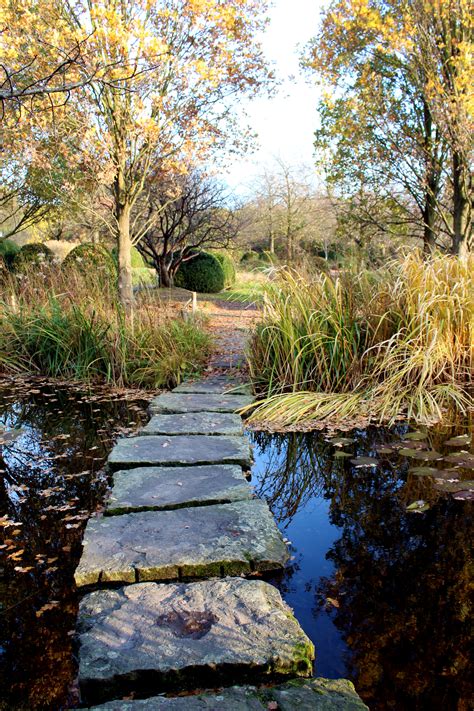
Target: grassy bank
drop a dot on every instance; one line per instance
(376, 345)
(64, 324)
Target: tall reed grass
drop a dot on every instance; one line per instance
(384, 344)
(60, 323)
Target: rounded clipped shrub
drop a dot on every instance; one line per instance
(33, 254)
(228, 267)
(203, 273)
(8, 250)
(90, 259)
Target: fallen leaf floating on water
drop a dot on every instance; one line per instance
(462, 459)
(340, 455)
(430, 454)
(423, 471)
(341, 441)
(418, 506)
(458, 441)
(415, 436)
(384, 450)
(464, 496)
(364, 462)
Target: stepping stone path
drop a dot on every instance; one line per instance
(180, 523)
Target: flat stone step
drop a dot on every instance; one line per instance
(205, 541)
(179, 450)
(157, 488)
(197, 423)
(184, 635)
(299, 694)
(172, 403)
(216, 385)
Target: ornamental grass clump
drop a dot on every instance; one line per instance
(57, 323)
(394, 342)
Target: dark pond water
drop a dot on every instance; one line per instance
(383, 592)
(52, 478)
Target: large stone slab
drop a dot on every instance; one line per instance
(186, 635)
(297, 695)
(216, 385)
(228, 539)
(172, 403)
(198, 423)
(157, 488)
(179, 450)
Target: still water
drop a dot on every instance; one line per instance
(382, 591)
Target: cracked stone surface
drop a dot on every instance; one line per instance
(197, 423)
(170, 636)
(216, 385)
(204, 541)
(302, 694)
(172, 403)
(176, 487)
(179, 450)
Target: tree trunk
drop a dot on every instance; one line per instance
(429, 217)
(124, 246)
(432, 183)
(271, 246)
(165, 278)
(462, 208)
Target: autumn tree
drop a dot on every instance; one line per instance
(170, 73)
(183, 214)
(380, 113)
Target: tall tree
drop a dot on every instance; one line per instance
(183, 214)
(171, 72)
(380, 122)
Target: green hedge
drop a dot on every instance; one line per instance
(90, 259)
(203, 273)
(228, 267)
(8, 250)
(33, 254)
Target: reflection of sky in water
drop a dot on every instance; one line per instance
(380, 591)
(311, 535)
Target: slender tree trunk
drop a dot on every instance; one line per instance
(124, 245)
(429, 218)
(462, 208)
(432, 182)
(165, 278)
(271, 245)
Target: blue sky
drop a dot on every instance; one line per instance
(285, 123)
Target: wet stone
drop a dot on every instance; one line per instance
(172, 636)
(217, 385)
(172, 403)
(176, 487)
(205, 541)
(179, 450)
(197, 423)
(305, 694)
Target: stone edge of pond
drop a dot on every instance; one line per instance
(318, 693)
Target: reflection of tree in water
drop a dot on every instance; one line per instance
(295, 473)
(402, 581)
(51, 480)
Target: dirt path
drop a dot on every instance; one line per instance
(230, 323)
